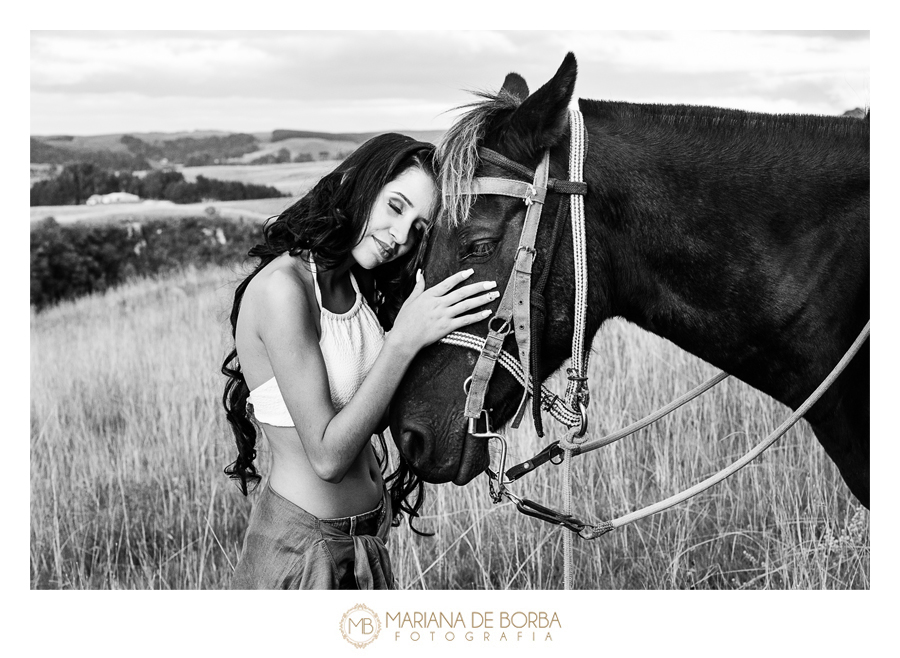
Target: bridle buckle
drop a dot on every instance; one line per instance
(473, 425)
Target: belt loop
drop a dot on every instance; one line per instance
(353, 524)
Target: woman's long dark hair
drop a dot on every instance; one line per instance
(328, 222)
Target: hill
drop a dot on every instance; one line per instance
(59, 151)
(358, 138)
(134, 151)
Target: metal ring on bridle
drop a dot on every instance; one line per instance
(582, 410)
(503, 328)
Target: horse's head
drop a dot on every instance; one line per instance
(482, 232)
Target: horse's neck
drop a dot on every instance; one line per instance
(731, 257)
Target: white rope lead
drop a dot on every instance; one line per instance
(567, 509)
(579, 358)
(757, 450)
(579, 247)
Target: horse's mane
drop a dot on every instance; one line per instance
(457, 152)
(721, 119)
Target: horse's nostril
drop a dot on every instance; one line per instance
(414, 445)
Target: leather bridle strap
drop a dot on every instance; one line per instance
(521, 275)
(509, 187)
(539, 313)
(553, 184)
(515, 305)
(489, 155)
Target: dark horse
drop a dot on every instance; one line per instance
(741, 237)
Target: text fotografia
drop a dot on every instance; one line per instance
(478, 626)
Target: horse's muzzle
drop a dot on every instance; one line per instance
(418, 445)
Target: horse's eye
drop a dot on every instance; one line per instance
(481, 249)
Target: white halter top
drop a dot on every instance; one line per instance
(350, 343)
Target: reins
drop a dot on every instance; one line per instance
(521, 311)
(594, 531)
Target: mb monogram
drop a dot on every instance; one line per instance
(360, 625)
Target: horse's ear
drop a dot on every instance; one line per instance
(516, 86)
(541, 120)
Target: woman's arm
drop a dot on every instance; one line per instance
(333, 440)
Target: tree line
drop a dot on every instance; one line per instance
(193, 151)
(78, 181)
(283, 155)
(49, 154)
(190, 151)
(69, 261)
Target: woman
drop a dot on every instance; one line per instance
(312, 360)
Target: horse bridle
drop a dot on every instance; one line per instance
(521, 307)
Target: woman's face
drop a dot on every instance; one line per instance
(399, 216)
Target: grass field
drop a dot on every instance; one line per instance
(128, 445)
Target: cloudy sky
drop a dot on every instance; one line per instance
(86, 83)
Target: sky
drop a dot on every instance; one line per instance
(99, 82)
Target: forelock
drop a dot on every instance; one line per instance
(457, 153)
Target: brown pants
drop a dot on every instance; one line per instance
(286, 547)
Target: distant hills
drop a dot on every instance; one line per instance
(143, 151)
(140, 151)
(422, 135)
(61, 150)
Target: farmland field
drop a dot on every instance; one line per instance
(253, 209)
(294, 179)
(128, 445)
(296, 145)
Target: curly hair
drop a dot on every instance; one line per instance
(328, 222)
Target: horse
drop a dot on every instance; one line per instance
(741, 237)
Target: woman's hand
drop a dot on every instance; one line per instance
(428, 315)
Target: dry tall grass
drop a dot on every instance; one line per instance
(128, 446)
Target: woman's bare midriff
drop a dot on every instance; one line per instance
(293, 477)
(291, 474)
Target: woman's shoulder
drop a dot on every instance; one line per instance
(284, 283)
(285, 270)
